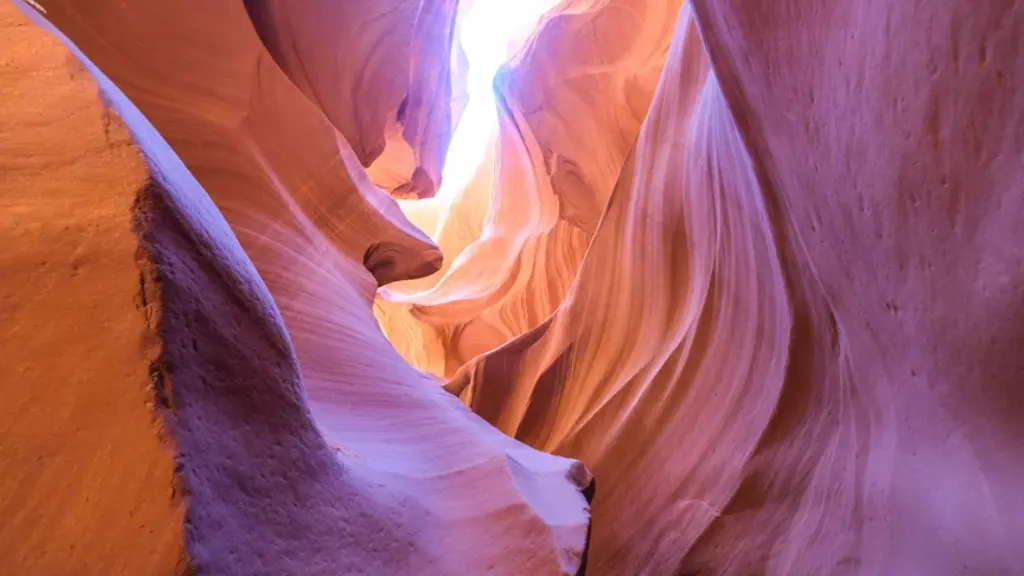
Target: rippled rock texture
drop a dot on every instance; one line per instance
(789, 346)
(570, 107)
(757, 265)
(193, 374)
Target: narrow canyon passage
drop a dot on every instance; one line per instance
(463, 218)
(439, 287)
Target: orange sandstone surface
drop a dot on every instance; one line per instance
(736, 289)
(175, 401)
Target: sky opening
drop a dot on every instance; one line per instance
(487, 36)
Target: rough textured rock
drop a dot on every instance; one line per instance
(893, 161)
(276, 451)
(584, 86)
(86, 473)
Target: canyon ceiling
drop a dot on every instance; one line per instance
(627, 287)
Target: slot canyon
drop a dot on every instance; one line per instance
(511, 287)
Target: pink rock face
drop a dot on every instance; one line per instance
(263, 167)
(755, 264)
(266, 442)
(378, 71)
(686, 229)
(762, 358)
(888, 140)
(569, 109)
(584, 86)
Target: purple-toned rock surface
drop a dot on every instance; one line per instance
(755, 264)
(163, 415)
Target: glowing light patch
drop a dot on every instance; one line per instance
(488, 31)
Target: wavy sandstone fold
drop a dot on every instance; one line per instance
(756, 264)
(761, 357)
(379, 71)
(261, 149)
(683, 261)
(235, 439)
(584, 85)
(569, 108)
(888, 137)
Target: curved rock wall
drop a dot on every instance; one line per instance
(755, 264)
(379, 71)
(267, 425)
(684, 260)
(570, 108)
(764, 357)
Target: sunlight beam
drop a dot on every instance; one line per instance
(488, 37)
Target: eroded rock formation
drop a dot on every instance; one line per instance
(754, 264)
(196, 432)
(770, 318)
(688, 227)
(378, 71)
(86, 479)
(569, 109)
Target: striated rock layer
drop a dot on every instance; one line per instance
(570, 105)
(756, 264)
(791, 346)
(165, 416)
(683, 262)
(893, 161)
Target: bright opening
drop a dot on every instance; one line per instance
(490, 34)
